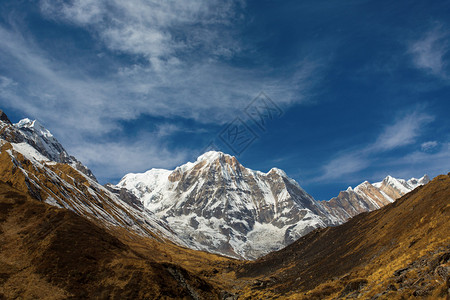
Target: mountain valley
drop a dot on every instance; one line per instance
(210, 229)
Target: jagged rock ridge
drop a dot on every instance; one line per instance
(32, 160)
(217, 205)
(226, 208)
(214, 204)
(368, 197)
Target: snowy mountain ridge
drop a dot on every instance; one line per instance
(226, 208)
(220, 206)
(33, 133)
(213, 204)
(367, 197)
(33, 160)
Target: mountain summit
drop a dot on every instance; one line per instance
(217, 205)
(223, 207)
(127, 237)
(28, 133)
(4, 117)
(33, 161)
(368, 197)
(214, 204)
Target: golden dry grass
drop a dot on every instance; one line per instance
(411, 233)
(51, 253)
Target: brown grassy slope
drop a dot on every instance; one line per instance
(361, 257)
(52, 253)
(63, 182)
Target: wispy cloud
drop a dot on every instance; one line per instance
(401, 133)
(185, 75)
(437, 162)
(344, 165)
(179, 68)
(157, 30)
(430, 50)
(404, 131)
(429, 146)
(205, 92)
(112, 160)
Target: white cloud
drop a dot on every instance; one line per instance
(403, 132)
(115, 159)
(428, 146)
(204, 89)
(343, 165)
(6, 83)
(439, 160)
(155, 28)
(185, 74)
(429, 52)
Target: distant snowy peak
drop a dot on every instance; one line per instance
(37, 127)
(41, 138)
(396, 188)
(31, 133)
(367, 197)
(218, 205)
(413, 182)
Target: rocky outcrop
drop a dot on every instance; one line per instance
(220, 206)
(216, 204)
(368, 197)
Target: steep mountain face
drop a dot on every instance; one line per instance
(222, 207)
(33, 161)
(368, 197)
(32, 133)
(395, 188)
(215, 204)
(115, 242)
(401, 251)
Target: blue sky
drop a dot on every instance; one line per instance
(358, 89)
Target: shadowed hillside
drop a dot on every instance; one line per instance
(52, 253)
(400, 250)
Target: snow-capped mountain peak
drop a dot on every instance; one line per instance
(36, 126)
(32, 160)
(213, 204)
(30, 133)
(414, 182)
(278, 172)
(211, 156)
(398, 187)
(220, 206)
(367, 197)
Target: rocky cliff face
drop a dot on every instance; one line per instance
(32, 133)
(218, 205)
(368, 197)
(33, 161)
(223, 207)
(213, 204)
